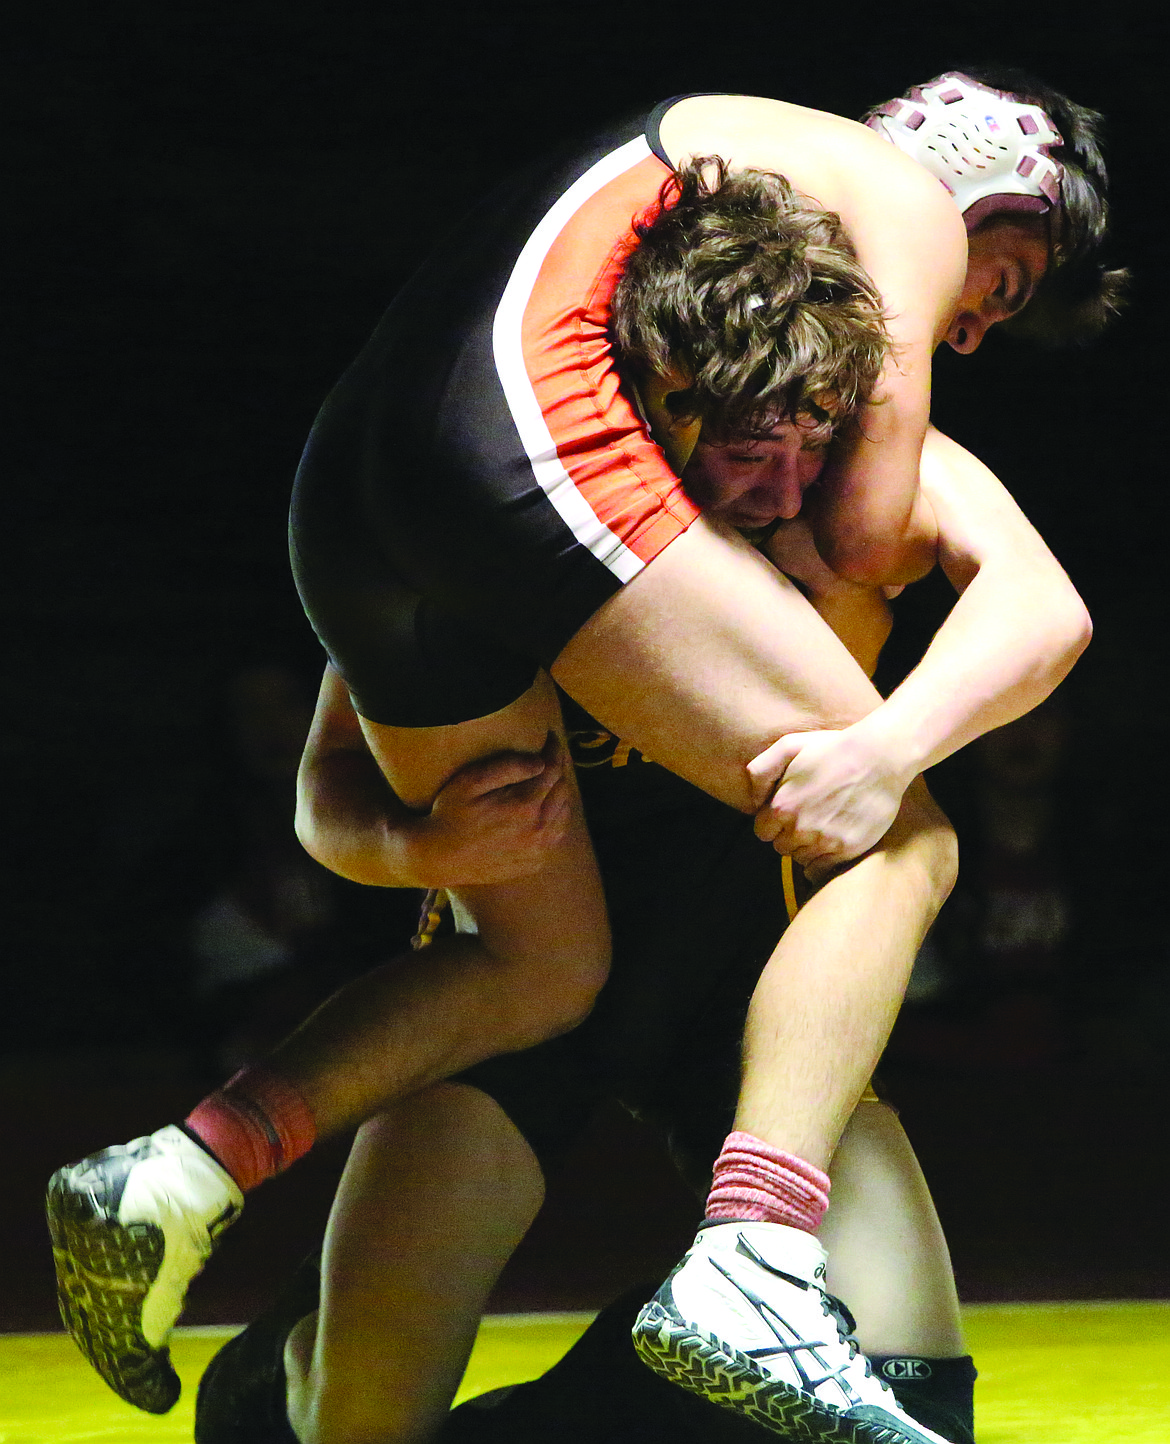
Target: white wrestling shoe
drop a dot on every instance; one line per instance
(745, 1322)
(131, 1228)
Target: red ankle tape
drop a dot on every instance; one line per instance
(759, 1183)
(257, 1125)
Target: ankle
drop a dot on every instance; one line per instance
(255, 1126)
(755, 1182)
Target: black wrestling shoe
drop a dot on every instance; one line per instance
(241, 1397)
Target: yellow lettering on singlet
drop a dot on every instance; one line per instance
(601, 749)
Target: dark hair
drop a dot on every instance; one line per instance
(1080, 292)
(755, 296)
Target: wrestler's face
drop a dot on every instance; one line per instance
(1006, 259)
(749, 484)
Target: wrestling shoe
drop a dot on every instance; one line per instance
(131, 1228)
(745, 1321)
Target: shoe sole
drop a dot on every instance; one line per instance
(722, 1375)
(104, 1272)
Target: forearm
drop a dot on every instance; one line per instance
(984, 668)
(350, 821)
(1012, 636)
(493, 820)
(1015, 631)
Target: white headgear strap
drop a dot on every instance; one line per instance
(989, 149)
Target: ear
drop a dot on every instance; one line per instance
(676, 436)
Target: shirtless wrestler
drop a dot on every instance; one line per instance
(442, 1185)
(481, 497)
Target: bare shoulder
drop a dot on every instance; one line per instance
(820, 153)
(897, 214)
(747, 130)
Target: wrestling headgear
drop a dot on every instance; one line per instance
(987, 148)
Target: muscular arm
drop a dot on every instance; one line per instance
(1012, 636)
(909, 236)
(494, 820)
(1014, 633)
(347, 817)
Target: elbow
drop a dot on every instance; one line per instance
(314, 840)
(307, 834)
(1074, 635)
(1082, 629)
(860, 561)
(324, 845)
(307, 819)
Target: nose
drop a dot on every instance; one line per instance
(781, 491)
(967, 332)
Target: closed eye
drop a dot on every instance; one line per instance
(1017, 294)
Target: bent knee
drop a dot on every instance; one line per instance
(934, 838)
(566, 995)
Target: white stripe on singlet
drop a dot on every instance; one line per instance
(507, 343)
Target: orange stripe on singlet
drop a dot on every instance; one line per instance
(627, 504)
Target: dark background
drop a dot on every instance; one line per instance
(208, 206)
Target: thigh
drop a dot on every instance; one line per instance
(437, 1193)
(706, 657)
(559, 914)
(685, 965)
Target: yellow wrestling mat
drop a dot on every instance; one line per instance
(1056, 1373)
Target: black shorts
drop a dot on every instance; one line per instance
(480, 481)
(696, 907)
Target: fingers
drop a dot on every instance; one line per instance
(819, 870)
(766, 770)
(778, 819)
(509, 769)
(818, 852)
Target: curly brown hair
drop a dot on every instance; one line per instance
(753, 294)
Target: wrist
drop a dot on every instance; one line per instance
(894, 746)
(408, 853)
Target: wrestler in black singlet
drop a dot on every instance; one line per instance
(442, 550)
(696, 907)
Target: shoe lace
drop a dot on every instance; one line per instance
(799, 1351)
(838, 1311)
